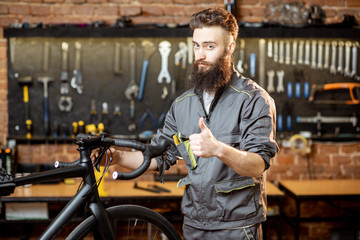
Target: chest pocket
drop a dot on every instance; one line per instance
(183, 145)
(233, 139)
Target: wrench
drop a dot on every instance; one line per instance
(149, 49)
(353, 73)
(270, 49)
(333, 57)
(281, 52)
(307, 53)
(301, 52)
(181, 55)
(117, 57)
(287, 53)
(276, 51)
(164, 49)
(294, 52)
(327, 55)
(320, 55)
(280, 75)
(132, 89)
(64, 75)
(76, 81)
(313, 54)
(240, 65)
(270, 86)
(348, 45)
(340, 68)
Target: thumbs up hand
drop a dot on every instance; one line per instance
(203, 144)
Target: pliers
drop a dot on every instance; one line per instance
(147, 114)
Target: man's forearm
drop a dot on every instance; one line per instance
(242, 162)
(132, 160)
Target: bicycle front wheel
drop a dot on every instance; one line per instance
(129, 222)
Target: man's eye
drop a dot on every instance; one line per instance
(210, 46)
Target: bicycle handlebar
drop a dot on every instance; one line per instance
(85, 141)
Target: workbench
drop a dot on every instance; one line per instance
(341, 199)
(121, 192)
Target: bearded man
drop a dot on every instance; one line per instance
(224, 129)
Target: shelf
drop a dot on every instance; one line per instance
(244, 32)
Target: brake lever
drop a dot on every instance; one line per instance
(98, 159)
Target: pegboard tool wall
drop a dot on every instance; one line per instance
(102, 84)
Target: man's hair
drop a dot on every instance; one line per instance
(215, 17)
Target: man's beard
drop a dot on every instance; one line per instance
(215, 76)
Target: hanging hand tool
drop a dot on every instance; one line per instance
(105, 120)
(288, 114)
(327, 55)
(294, 52)
(340, 68)
(262, 58)
(76, 80)
(280, 76)
(93, 112)
(132, 89)
(301, 52)
(354, 67)
(181, 55)
(252, 65)
(65, 101)
(333, 57)
(270, 86)
(270, 48)
(147, 114)
(320, 55)
(276, 51)
(64, 75)
(281, 51)
(45, 80)
(318, 119)
(190, 47)
(26, 81)
(164, 49)
(117, 112)
(353, 88)
(287, 53)
(149, 48)
(117, 59)
(313, 54)
(348, 45)
(241, 66)
(307, 53)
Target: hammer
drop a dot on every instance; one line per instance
(26, 81)
(45, 80)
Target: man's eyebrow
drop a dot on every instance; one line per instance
(206, 42)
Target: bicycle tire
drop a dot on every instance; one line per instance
(126, 214)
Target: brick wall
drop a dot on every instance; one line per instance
(327, 160)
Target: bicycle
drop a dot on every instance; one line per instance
(141, 222)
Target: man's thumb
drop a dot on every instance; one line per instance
(202, 125)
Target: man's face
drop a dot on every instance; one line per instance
(210, 43)
(213, 49)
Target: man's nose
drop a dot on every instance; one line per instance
(200, 54)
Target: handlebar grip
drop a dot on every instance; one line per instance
(59, 164)
(134, 174)
(130, 144)
(149, 152)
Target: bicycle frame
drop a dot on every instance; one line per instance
(88, 193)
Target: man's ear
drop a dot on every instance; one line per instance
(231, 47)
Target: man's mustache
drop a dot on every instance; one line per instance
(197, 62)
